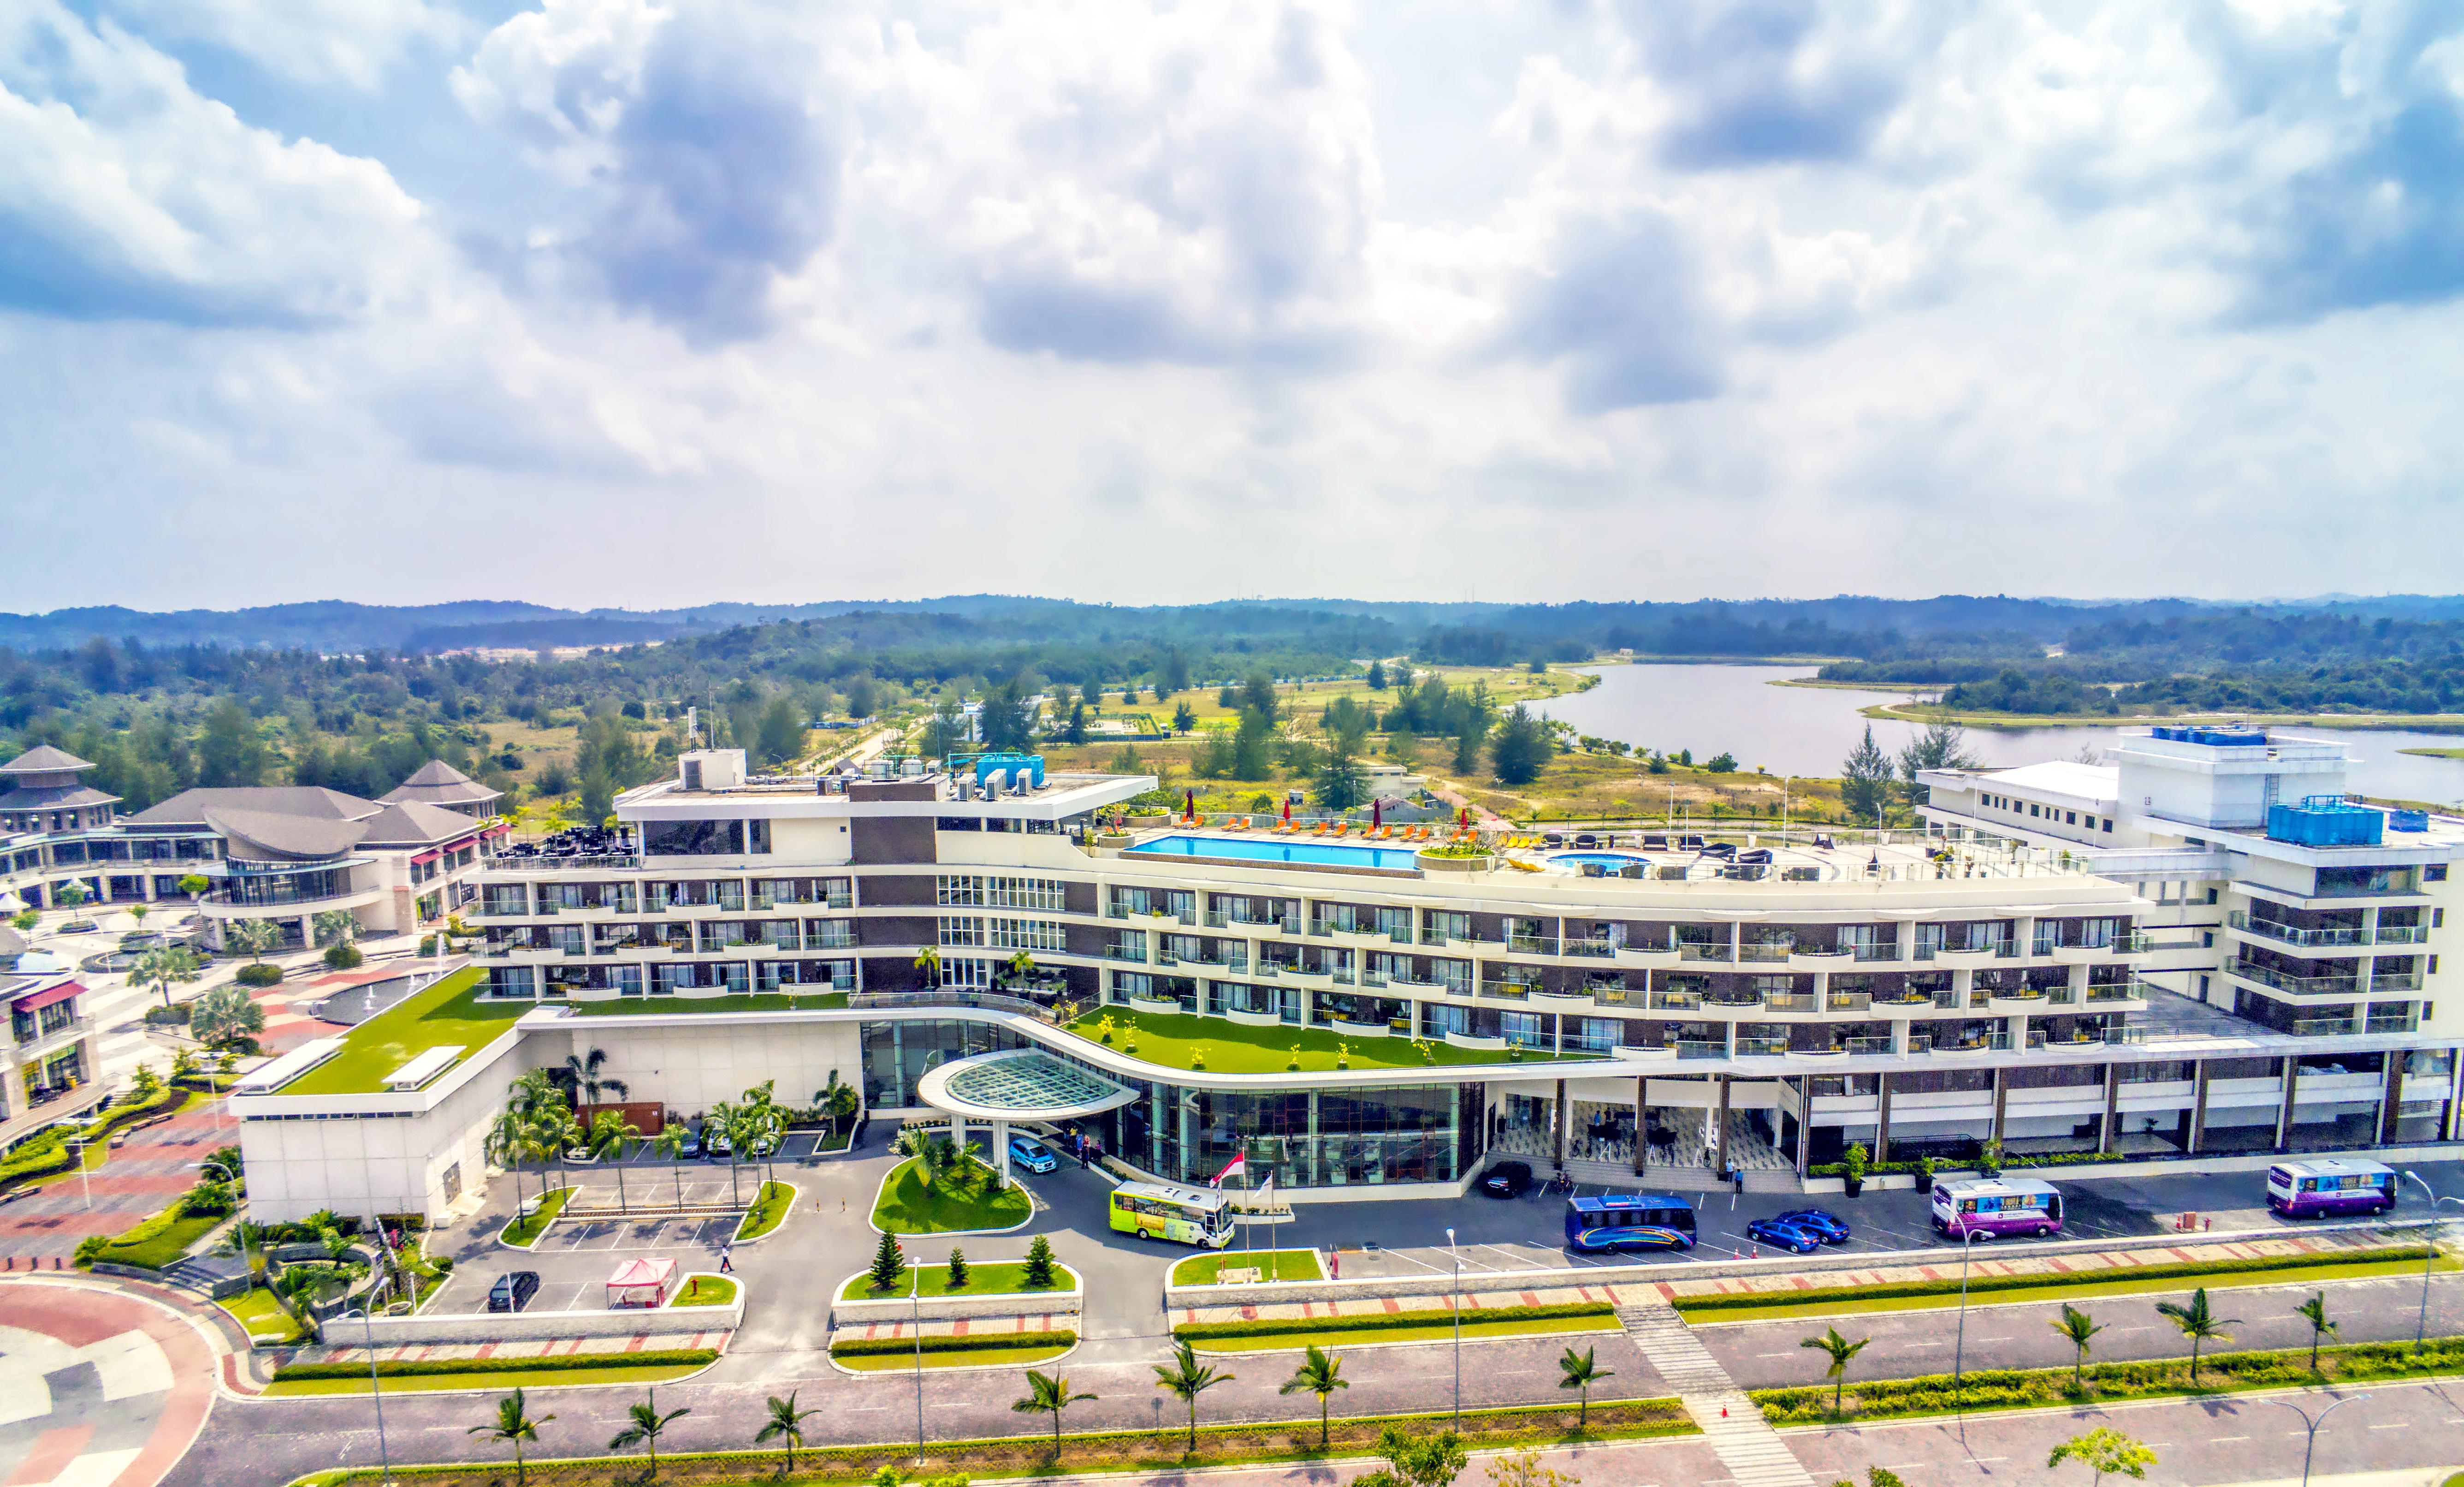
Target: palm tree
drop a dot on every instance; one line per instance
(584, 1071)
(928, 961)
(164, 967)
(609, 1137)
(930, 1150)
(334, 926)
(670, 1143)
(2313, 1311)
(1583, 1371)
(1050, 1393)
(2077, 1326)
(647, 1427)
(512, 1425)
(787, 1423)
(728, 1117)
(1185, 1380)
(1841, 1350)
(1320, 1373)
(508, 1141)
(252, 937)
(2199, 1324)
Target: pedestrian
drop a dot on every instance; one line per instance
(727, 1260)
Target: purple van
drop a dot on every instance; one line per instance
(1992, 1206)
(2327, 1189)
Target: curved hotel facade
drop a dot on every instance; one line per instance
(2166, 955)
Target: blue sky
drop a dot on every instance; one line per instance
(610, 301)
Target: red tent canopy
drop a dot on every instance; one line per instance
(641, 1283)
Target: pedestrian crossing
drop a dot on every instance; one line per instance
(1747, 1444)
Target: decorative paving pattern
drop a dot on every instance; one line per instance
(96, 1388)
(158, 1164)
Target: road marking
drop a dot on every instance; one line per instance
(2399, 1425)
(2218, 1440)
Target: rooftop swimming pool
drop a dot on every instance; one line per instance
(1271, 851)
(1611, 860)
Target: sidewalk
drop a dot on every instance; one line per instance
(2119, 1262)
(550, 1347)
(962, 1327)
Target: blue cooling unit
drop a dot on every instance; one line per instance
(2326, 821)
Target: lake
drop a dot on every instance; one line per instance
(1809, 730)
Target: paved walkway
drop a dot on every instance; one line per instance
(155, 1165)
(96, 1386)
(543, 1347)
(1747, 1446)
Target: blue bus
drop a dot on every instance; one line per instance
(1630, 1221)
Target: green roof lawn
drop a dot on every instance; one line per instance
(451, 1011)
(751, 1002)
(1171, 1042)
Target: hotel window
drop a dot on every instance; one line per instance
(974, 890)
(964, 929)
(1026, 934)
(966, 973)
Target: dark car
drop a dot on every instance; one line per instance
(1784, 1235)
(1507, 1180)
(692, 1147)
(513, 1291)
(1832, 1229)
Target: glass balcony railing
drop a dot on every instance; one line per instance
(1751, 1047)
(2299, 986)
(1690, 951)
(1866, 1047)
(1791, 1002)
(1764, 953)
(1688, 1048)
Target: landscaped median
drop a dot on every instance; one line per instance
(650, 1366)
(949, 1350)
(2054, 1286)
(2023, 1389)
(991, 1280)
(960, 1201)
(1418, 1325)
(1293, 1440)
(524, 1229)
(1206, 1269)
(770, 1209)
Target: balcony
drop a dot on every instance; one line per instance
(1129, 954)
(1889, 951)
(1749, 1048)
(1677, 1001)
(2322, 1027)
(1690, 951)
(1688, 1048)
(2395, 981)
(1851, 1001)
(1506, 990)
(2113, 995)
(1867, 1048)
(1974, 955)
(1766, 954)
(1791, 1002)
(2299, 986)
(2401, 934)
(1819, 960)
(1732, 999)
(2337, 936)
(1594, 949)
(1646, 957)
(2394, 1022)
(1531, 944)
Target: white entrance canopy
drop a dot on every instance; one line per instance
(1012, 1085)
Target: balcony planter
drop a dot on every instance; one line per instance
(1624, 1052)
(1644, 958)
(703, 993)
(1819, 960)
(1358, 1030)
(1969, 958)
(1564, 1001)
(1496, 1045)
(1114, 840)
(592, 994)
(1450, 862)
(1154, 1009)
(1817, 1054)
(1250, 1019)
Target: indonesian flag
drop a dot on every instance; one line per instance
(1238, 1167)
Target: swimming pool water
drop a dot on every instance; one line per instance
(1272, 850)
(1606, 859)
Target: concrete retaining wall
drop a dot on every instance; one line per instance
(2165, 1166)
(1292, 1293)
(534, 1326)
(951, 1308)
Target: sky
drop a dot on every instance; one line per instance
(615, 303)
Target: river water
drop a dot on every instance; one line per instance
(1809, 730)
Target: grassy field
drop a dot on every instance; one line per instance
(750, 1002)
(705, 1291)
(1923, 712)
(161, 1248)
(998, 1277)
(450, 1012)
(2434, 753)
(908, 1207)
(1294, 1340)
(532, 1381)
(1601, 787)
(1199, 1270)
(261, 1317)
(2089, 1288)
(1173, 1042)
(972, 1358)
(525, 1227)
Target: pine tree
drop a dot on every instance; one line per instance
(1039, 1263)
(1377, 675)
(958, 1269)
(1522, 748)
(889, 1265)
(1865, 778)
(1340, 784)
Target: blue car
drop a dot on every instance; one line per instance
(1832, 1229)
(1784, 1235)
(1031, 1154)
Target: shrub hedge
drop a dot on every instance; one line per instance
(972, 1343)
(1749, 1301)
(259, 974)
(1941, 1168)
(2010, 1389)
(1381, 1322)
(563, 1363)
(50, 1152)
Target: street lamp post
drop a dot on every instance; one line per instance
(916, 1322)
(376, 1394)
(85, 1183)
(2312, 1444)
(2421, 1329)
(1454, 1304)
(1959, 1352)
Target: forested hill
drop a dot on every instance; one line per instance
(1867, 628)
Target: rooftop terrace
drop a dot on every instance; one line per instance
(453, 1011)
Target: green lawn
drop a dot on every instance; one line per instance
(996, 1278)
(1303, 1336)
(943, 1358)
(1200, 1270)
(705, 1291)
(260, 1315)
(449, 1012)
(770, 1209)
(523, 1228)
(2090, 1287)
(159, 1247)
(751, 1002)
(908, 1207)
(1174, 1042)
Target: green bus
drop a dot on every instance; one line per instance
(1200, 1216)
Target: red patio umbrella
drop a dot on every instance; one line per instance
(1377, 814)
(1189, 813)
(1287, 811)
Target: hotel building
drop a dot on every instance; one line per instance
(2124, 961)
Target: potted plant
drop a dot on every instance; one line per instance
(1988, 1162)
(1854, 1177)
(1925, 1176)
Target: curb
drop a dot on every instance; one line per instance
(529, 1246)
(882, 1186)
(910, 1371)
(794, 1194)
